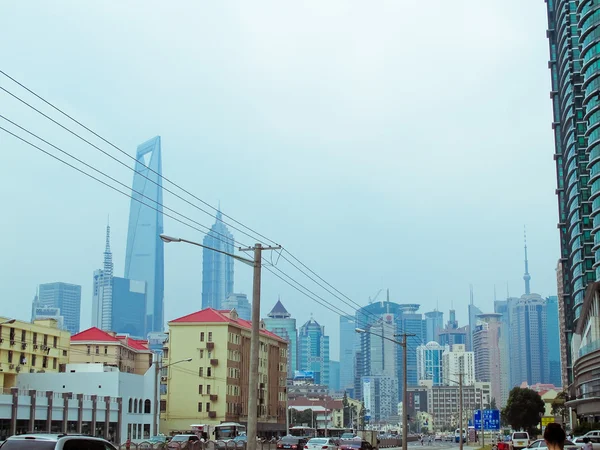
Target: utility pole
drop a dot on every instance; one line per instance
(402, 344)
(254, 345)
(460, 410)
(482, 423)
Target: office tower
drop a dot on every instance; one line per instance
(429, 362)
(380, 398)
(434, 323)
(348, 337)
(40, 313)
(458, 360)
(573, 52)
(452, 334)
(217, 268)
(529, 344)
(67, 298)
(474, 311)
(502, 307)
(554, 375)
(410, 322)
(240, 303)
(486, 351)
(280, 322)
(313, 351)
(334, 376)
(102, 298)
(144, 257)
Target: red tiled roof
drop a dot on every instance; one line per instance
(211, 315)
(94, 334)
(136, 344)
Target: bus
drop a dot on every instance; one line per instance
(201, 430)
(229, 430)
(303, 432)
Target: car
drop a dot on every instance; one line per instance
(519, 440)
(448, 438)
(318, 443)
(593, 439)
(355, 444)
(347, 436)
(540, 444)
(291, 442)
(437, 438)
(55, 442)
(182, 441)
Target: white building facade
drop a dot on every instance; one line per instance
(457, 361)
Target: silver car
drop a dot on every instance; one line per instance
(540, 444)
(321, 443)
(55, 442)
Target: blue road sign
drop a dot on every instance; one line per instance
(491, 419)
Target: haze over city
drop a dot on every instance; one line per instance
(383, 145)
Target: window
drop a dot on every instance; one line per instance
(88, 349)
(35, 338)
(200, 389)
(199, 406)
(135, 403)
(23, 336)
(208, 371)
(105, 350)
(45, 339)
(147, 406)
(64, 353)
(207, 406)
(130, 405)
(202, 336)
(22, 359)
(10, 354)
(208, 389)
(201, 371)
(163, 406)
(201, 354)
(54, 363)
(210, 336)
(54, 341)
(33, 360)
(97, 349)
(45, 362)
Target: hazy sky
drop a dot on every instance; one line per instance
(387, 144)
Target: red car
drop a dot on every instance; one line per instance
(355, 444)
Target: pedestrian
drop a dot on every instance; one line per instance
(587, 444)
(555, 436)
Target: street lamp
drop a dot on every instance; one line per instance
(158, 367)
(404, 379)
(256, 263)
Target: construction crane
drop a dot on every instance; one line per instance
(371, 300)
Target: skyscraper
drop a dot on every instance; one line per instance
(554, 376)
(486, 351)
(347, 351)
(144, 257)
(67, 298)
(572, 34)
(313, 351)
(502, 307)
(474, 311)
(458, 360)
(434, 323)
(102, 290)
(410, 322)
(280, 322)
(217, 268)
(452, 334)
(240, 303)
(429, 362)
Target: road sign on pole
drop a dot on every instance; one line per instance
(491, 419)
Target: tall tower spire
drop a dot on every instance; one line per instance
(108, 264)
(471, 293)
(526, 276)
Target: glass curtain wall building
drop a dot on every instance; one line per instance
(280, 322)
(67, 298)
(313, 351)
(144, 257)
(348, 344)
(217, 268)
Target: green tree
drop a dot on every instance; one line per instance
(523, 409)
(493, 403)
(361, 416)
(302, 417)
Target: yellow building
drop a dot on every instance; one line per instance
(106, 347)
(213, 386)
(31, 347)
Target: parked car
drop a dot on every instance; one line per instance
(347, 436)
(321, 443)
(292, 442)
(182, 441)
(540, 444)
(519, 440)
(355, 444)
(593, 439)
(55, 442)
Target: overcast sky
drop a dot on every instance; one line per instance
(387, 144)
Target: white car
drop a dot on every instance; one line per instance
(519, 440)
(321, 443)
(55, 442)
(540, 444)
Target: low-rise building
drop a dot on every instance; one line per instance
(212, 387)
(105, 347)
(26, 347)
(133, 394)
(327, 412)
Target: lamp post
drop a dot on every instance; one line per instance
(404, 379)
(158, 367)
(256, 263)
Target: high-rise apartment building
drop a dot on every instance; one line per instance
(240, 303)
(429, 362)
(503, 308)
(554, 375)
(281, 322)
(217, 268)
(67, 298)
(474, 311)
(313, 351)
(144, 257)
(456, 361)
(348, 340)
(486, 351)
(434, 323)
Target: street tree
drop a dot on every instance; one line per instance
(523, 409)
(558, 405)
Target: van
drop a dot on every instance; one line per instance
(519, 440)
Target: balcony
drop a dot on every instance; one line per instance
(213, 397)
(589, 348)
(214, 362)
(212, 414)
(210, 345)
